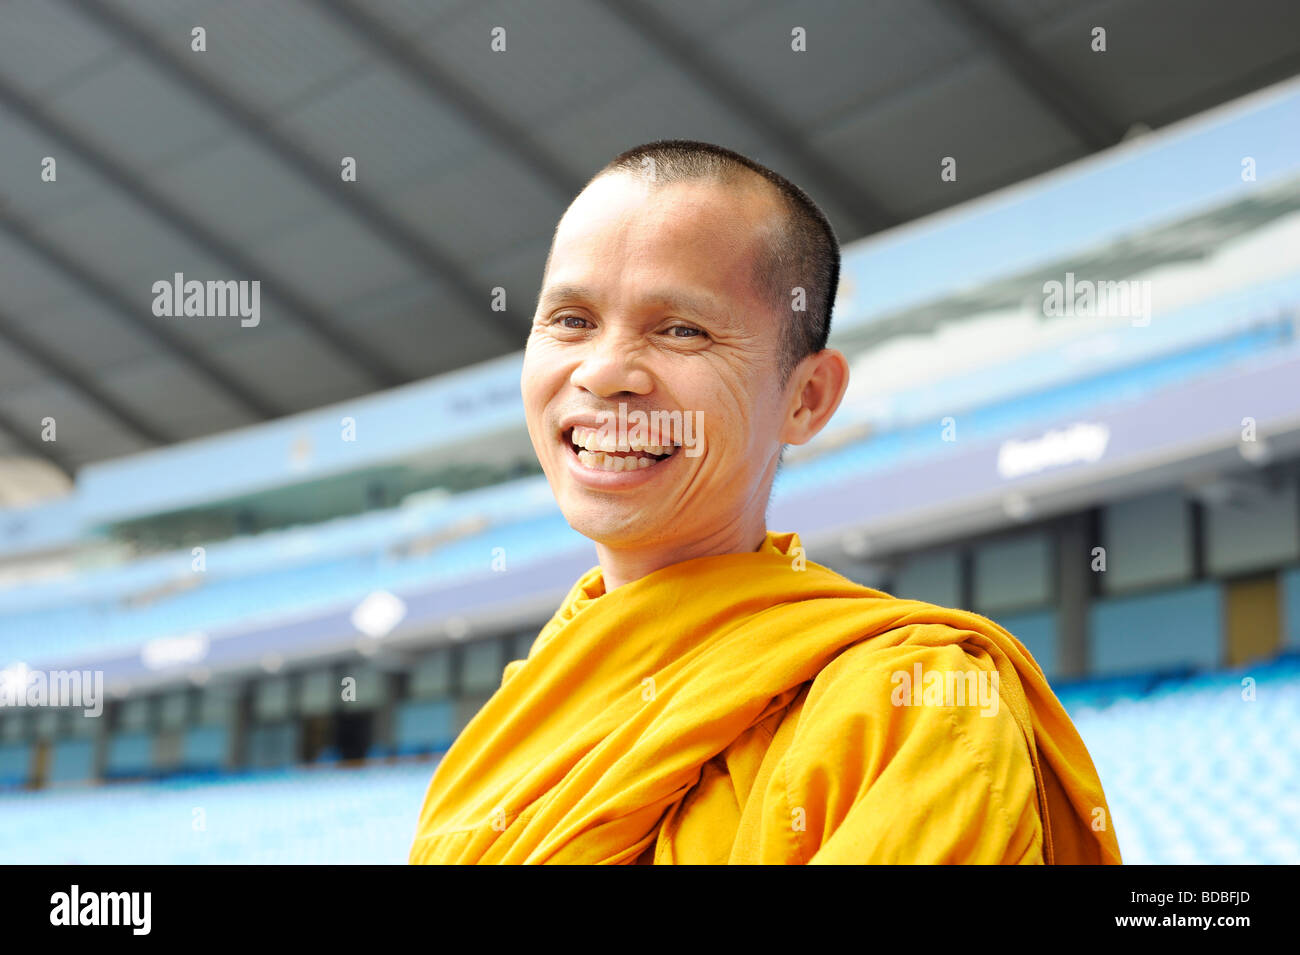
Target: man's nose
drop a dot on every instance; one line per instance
(612, 365)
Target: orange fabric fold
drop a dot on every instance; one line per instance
(746, 708)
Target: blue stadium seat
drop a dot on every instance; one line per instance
(129, 754)
(71, 760)
(205, 749)
(15, 763)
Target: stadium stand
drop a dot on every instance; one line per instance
(1193, 776)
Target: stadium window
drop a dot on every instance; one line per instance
(19, 728)
(217, 705)
(174, 711)
(1157, 630)
(317, 694)
(431, 676)
(1255, 529)
(934, 577)
(1013, 573)
(80, 725)
(133, 715)
(523, 643)
(271, 699)
(467, 707)
(48, 722)
(480, 667)
(1148, 542)
(368, 687)
(168, 749)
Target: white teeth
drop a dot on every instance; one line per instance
(592, 439)
(599, 461)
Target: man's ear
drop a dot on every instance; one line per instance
(819, 383)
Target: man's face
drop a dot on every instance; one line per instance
(649, 302)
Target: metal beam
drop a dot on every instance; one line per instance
(18, 338)
(1237, 86)
(346, 346)
(261, 128)
(447, 90)
(691, 57)
(1070, 105)
(161, 334)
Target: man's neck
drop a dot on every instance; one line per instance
(620, 567)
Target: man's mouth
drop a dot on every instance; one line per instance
(601, 452)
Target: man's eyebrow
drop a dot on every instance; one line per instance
(678, 300)
(673, 299)
(564, 293)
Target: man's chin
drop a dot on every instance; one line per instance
(614, 527)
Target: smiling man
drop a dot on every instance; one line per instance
(706, 694)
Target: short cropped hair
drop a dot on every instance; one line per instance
(802, 253)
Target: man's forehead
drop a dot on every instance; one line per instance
(618, 198)
(694, 299)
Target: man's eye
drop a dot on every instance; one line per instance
(684, 331)
(571, 321)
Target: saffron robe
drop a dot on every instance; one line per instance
(748, 708)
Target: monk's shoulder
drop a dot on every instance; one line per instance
(929, 707)
(923, 673)
(882, 658)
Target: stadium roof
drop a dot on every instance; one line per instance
(225, 164)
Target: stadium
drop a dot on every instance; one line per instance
(299, 534)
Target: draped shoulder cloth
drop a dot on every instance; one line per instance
(760, 708)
